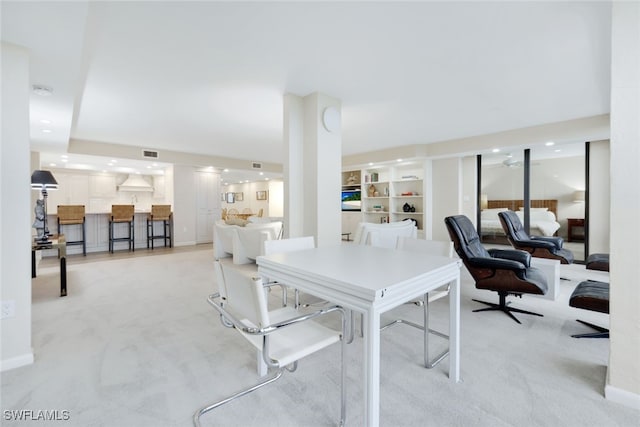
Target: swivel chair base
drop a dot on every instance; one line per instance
(503, 306)
(602, 332)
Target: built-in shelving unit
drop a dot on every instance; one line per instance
(392, 193)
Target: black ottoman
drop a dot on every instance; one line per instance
(594, 296)
(598, 262)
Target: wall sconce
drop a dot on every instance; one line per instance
(578, 196)
(42, 180)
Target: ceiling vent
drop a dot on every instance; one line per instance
(256, 165)
(135, 183)
(150, 154)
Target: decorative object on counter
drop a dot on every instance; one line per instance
(160, 213)
(371, 191)
(406, 207)
(408, 193)
(377, 208)
(42, 180)
(122, 214)
(239, 197)
(262, 195)
(73, 215)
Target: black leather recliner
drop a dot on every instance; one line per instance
(537, 246)
(507, 272)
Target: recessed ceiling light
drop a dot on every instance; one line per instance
(64, 156)
(114, 161)
(549, 143)
(45, 122)
(52, 164)
(46, 131)
(398, 160)
(154, 164)
(64, 160)
(109, 164)
(266, 179)
(42, 90)
(226, 170)
(261, 173)
(370, 163)
(495, 150)
(148, 167)
(557, 150)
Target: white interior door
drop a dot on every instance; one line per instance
(208, 201)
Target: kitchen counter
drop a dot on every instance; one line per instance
(97, 232)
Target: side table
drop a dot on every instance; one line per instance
(58, 242)
(571, 233)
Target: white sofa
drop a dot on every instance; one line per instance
(243, 243)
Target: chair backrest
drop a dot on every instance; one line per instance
(384, 235)
(223, 214)
(70, 214)
(288, 245)
(246, 211)
(465, 238)
(122, 212)
(232, 212)
(161, 212)
(513, 227)
(430, 247)
(260, 212)
(244, 294)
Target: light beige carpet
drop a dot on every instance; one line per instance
(135, 344)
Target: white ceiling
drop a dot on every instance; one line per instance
(209, 77)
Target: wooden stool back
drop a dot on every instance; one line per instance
(70, 214)
(122, 213)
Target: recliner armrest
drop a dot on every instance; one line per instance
(519, 256)
(497, 264)
(556, 241)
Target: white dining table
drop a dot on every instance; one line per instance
(371, 280)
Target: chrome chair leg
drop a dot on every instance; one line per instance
(426, 331)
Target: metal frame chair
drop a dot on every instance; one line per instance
(283, 336)
(428, 247)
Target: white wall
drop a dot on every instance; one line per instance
(250, 200)
(447, 190)
(600, 197)
(15, 212)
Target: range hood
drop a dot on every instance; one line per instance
(135, 183)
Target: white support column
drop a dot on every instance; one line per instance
(312, 167)
(623, 375)
(15, 213)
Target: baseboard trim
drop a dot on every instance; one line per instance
(621, 396)
(16, 362)
(177, 244)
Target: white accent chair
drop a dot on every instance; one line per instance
(243, 243)
(282, 336)
(384, 235)
(428, 247)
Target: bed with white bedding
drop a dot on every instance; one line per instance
(543, 220)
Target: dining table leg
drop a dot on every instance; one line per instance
(372, 367)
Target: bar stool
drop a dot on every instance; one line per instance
(160, 213)
(122, 214)
(73, 215)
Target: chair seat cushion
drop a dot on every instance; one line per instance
(591, 295)
(294, 342)
(598, 262)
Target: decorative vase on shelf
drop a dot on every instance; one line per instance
(406, 207)
(371, 191)
(413, 208)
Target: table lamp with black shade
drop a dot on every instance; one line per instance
(42, 180)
